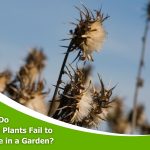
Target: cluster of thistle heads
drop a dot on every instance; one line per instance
(78, 101)
(27, 86)
(120, 121)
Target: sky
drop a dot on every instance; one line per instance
(43, 23)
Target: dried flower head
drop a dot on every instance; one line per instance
(27, 88)
(37, 58)
(75, 99)
(100, 107)
(4, 79)
(34, 98)
(89, 33)
(35, 62)
(80, 104)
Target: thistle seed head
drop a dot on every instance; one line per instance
(36, 58)
(31, 97)
(75, 97)
(100, 107)
(35, 62)
(79, 104)
(27, 88)
(36, 102)
(89, 33)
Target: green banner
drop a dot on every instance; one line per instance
(19, 130)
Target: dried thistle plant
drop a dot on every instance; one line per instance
(80, 104)
(35, 62)
(100, 106)
(27, 88)
(75, 95)
(89, 34)
(77, 102)
(120, 121)
(87, 37)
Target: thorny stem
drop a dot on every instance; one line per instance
(59, 78)
(141, 64)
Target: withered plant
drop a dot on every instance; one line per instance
(77, 101)
(86, 38)
(120, 121)
(27, 87)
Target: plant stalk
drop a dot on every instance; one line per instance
(59, 78)
(137, 87)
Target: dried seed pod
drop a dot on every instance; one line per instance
(34, 99)
(89, 33)
(27, 88)
(75, 98)
(81, 105)
(37, 58)
(100, 107)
